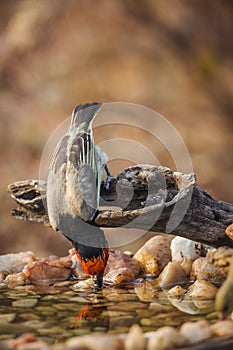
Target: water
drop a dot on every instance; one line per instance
(56, 313)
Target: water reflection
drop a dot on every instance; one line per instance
(61, 312)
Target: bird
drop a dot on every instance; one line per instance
(224, 296)
(73, 191)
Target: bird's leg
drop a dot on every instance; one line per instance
(98, 283)
(109, 179)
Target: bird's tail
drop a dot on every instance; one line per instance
(83, 115)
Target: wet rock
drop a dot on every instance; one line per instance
(185, 305)
(119, 276)
(220, 258)
(13, 263)
(196, 332)
(176, 292)
(95, 342)
(25, 303)
(48, 270)
(145, 291)
(118, 260)
(203, 270)
(202, 289)
(22, 340)
(7, 317)
(154, 255)
(184, 252)
(165, 338)
(86, 284)
(171, 275)
(223, 328)
(16, 279)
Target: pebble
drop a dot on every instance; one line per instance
(14, 263)
(16, 279)
(154, 255)
(184, 252)
(202, 289)
(223, 328)
(171, 275)
(220, 258)
(203, 270)
(196, 332)
(26, 303)
(85, 284)
(176, 292)
(7, 317)
(119, 276)
(134, 339)
(165, 338)
(95, 342)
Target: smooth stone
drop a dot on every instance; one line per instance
(97, 342)
(184, 252)
(196, 332)
(15, 279)
(11, 328)
(203, 270)
(13, 263)
(7, 317)
(27, 303)
(154, 255)
(223, 328)
(203, 290)
(28, 316)
(165, 338)
(85, 284)
(134, 339)
(176, 292)
(64, 306)
(171, 275)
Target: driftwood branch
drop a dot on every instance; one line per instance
(147, 197)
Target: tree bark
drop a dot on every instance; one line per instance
(146, 197)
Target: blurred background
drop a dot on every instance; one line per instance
(174, 56)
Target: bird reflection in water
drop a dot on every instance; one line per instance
(92, 316)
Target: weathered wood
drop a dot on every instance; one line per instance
(151, 198)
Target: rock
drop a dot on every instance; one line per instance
(22, 340)
(185, 305)
(95, 342)
(145, 291)
(202, 289)
(203, 270)
(118, 260)
(48, 270)
(14, 263)
(184, 252)
(223, 328)
(220, 258)
(16, 279)
(83, 284)
(7, 317)
(2, 277)
(76, 268)
(165, 338)
(154, 255)
(171, 275)
(119, 276)
(25, 303)
(176, 292)
(229, 231)
(196, 332)
(134, 339)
